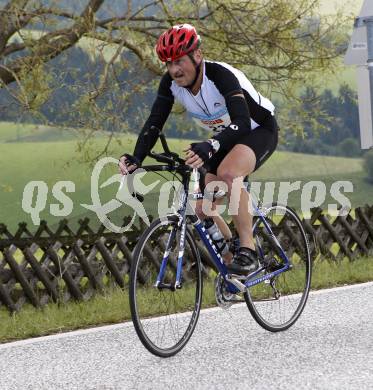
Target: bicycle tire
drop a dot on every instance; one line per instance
(290, 233)
(138, 294)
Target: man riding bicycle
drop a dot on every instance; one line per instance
(220, 99)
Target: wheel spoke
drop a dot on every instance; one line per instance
(176, 310)
(292, 285)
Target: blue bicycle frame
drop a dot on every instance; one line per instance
(234, 285)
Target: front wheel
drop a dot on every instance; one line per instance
(165, 318)
(277, 303)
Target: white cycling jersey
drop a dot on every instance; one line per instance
(208, 107)
(211, 108)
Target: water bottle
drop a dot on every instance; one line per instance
(216, 236)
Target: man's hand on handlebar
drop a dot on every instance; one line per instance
(128, 163)
(198, 153)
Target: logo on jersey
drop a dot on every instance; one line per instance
(212, 122)
(217, 104)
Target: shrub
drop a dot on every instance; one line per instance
(349, 147)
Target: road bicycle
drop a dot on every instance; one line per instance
(167, 273)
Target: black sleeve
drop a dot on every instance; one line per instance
(159, 113)
(240, 122)
(228, 85)
(225, 80)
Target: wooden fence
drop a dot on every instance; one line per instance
(63, 264)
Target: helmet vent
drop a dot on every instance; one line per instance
(190, 43)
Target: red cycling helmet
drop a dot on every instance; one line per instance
(176, 42)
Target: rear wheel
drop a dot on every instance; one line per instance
(276, 304)
(165, 318)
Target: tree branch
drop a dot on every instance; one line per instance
(94, 94)
(11, 20)
(146, 60)
(12, 48)
(15, 4)
(47, 48)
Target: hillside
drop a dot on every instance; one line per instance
(22, 162)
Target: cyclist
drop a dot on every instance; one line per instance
(223, 101)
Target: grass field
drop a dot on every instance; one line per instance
(22, 162)
(19, 132)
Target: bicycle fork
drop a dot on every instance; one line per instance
(182, 226)
(177, 285)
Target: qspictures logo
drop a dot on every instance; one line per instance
(35, 194)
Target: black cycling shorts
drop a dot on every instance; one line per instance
(262, 140)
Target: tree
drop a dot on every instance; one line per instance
(331, 125)
(281, 39)
(277, 43)
(349, 147)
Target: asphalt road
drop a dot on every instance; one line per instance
(330, 347)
